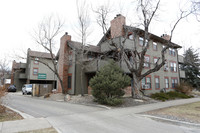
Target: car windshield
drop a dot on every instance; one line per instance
(29, 86)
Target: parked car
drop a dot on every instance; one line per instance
(12, 88)
(27, 89)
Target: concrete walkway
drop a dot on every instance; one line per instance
(30, 123)
(24, 125)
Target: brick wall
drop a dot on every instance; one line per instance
(117, 26)
(63, 62)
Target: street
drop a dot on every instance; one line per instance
(73, 118)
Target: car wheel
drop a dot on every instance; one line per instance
(22, 93)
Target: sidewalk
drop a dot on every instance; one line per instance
(148, 107)
(24, 125)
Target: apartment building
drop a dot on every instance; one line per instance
(167, 77)
(33, 71)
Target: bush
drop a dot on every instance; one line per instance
(107, 85)
(185, 88)
(160, 96)
(169, 95)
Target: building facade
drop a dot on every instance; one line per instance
(69, 69)
(33, 71)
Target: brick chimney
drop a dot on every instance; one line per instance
(62, 62)
(117, 26)
(166, 37)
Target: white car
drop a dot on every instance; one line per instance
(27, 89)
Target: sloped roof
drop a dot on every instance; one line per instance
(140, 32)
(156, 38)
(77, 45)
(39, 54)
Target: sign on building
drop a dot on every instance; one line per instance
(42, 75)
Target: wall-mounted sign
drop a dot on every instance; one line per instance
(42, 75)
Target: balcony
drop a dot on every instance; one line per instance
(22, 76)
(22, 65)
(182, 74)
(95, 65)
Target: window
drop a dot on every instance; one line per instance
(69, 81)
(141, 41)
(146, 61)
(130, 36)
(35, 71)
(172, 52)
(157, 82)
(146, 83)
(173, 66)
(165, 50)
(155, 59)
(36, 61)
(155, 47)
(166, 66)
(174, 82)
(181, 67)
(70, 58)
(166, 82)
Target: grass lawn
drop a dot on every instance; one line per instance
(46, 130)
(9, 115)
(188, 112)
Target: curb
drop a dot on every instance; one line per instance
(24, 115)
(171, 120)
(27, 116)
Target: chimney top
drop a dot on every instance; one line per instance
(166, 37)
(118, 15)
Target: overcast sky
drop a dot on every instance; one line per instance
(20, 17)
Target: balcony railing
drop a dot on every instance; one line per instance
(95, 65)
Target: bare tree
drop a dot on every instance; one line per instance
(136, 65)
(45, 36)
(4, 69)
(196, 8)
(83, 33)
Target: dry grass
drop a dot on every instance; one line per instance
(46, 130)
(2, 94)
(187, 112)
(9, 115)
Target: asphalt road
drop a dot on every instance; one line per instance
(44, 108)
(72, 118)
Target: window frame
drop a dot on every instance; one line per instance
(157, 77)
(175, 83)
(36, 62)
(35, 68)
(173, 66)
(155, 44)
(154, 59)
(172, 52)
(166, 65)
(166, 83)
(145, 78)
(141, 39)
(148, 63)
(69, 87)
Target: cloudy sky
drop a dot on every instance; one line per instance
(20, 17)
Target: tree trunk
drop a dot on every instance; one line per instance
(136, 87)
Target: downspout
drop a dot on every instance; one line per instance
(75, 72)
(178, 67)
